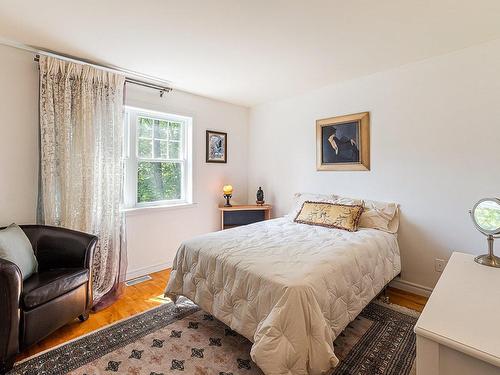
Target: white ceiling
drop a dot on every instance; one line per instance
(253, 51)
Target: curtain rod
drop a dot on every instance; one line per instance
(131, 76)
(132, 81)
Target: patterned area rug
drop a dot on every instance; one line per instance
(183, 339)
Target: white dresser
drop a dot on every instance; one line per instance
(459, 330)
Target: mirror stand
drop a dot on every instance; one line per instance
(489, 259)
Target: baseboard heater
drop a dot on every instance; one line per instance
(138, 280)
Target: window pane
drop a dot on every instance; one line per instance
(174, 131)
(144, 148)
(145, 127)
(161, 129)
(158, 181)
(161, 151)
(174, 150)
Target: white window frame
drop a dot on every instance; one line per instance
(132, 158)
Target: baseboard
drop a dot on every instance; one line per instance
(132, 274)
(408, 286)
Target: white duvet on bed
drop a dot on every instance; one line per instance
(289, 288)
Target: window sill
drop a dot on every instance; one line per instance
(151, 209)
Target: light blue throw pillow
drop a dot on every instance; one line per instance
(16, 248)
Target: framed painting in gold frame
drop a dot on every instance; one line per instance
(343, 143)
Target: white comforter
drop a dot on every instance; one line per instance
(289, 288)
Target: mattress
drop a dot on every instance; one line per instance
(289, 288)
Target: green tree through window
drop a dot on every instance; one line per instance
(158, 181)
(160, 165)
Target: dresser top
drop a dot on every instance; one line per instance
(246, 207)
(463, 311)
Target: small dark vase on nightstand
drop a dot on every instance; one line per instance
(260, 196)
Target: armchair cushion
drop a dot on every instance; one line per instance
(16, 248)
(44, 286)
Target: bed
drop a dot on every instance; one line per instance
(289, 288)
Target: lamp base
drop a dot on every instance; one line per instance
(228, 197)
(488, 260)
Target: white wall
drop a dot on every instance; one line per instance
(153, 235)
(435, 149)
(18, 136)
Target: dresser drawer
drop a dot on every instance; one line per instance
(243, 217)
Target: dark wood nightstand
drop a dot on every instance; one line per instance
(236, 216)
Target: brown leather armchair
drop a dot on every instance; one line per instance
(58, 293)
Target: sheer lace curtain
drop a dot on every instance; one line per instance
(81, 171)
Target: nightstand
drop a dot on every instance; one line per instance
(238, 215)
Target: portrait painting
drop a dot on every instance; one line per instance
(343, 143)
(216, 147)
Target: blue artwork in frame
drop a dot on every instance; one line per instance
(216, 147)
(343, 143)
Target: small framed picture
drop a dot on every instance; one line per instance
(216, 147)
(343, 143)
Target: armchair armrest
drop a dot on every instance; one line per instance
(10, 293)
(57, 247)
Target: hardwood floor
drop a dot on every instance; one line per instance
(146, 295)
(407, 299)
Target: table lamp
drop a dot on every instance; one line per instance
(228, 193)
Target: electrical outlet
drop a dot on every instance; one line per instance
(439, 264)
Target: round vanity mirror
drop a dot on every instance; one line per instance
(486, 217)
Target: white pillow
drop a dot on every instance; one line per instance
(349, 201)
(16, 248)
(300, 198)
(380, 215)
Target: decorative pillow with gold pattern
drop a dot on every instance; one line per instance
(332, 215)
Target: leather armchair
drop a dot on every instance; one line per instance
(57, 294)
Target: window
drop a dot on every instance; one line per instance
(158, 159)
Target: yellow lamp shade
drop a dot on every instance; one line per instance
(227, 189)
